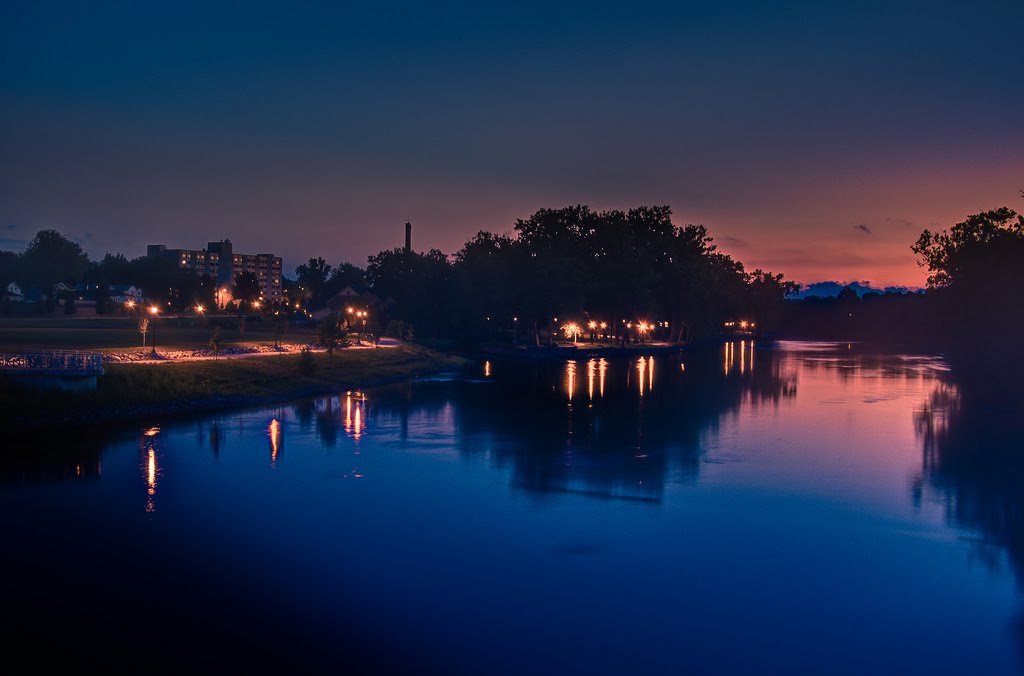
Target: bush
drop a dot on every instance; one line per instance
(215, 340)
(306, 362)
(400, 330)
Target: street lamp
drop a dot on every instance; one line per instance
(154, 310)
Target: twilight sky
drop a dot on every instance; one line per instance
(811, 140)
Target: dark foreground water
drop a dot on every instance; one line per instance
(807, 508)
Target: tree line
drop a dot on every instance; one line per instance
(616, 268)
(620, 268)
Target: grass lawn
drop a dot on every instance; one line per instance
(138, 390)
(118, 333)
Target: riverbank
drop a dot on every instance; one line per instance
(140, 391)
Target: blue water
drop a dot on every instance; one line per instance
(806, 508)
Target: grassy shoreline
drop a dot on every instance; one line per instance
(139, 391)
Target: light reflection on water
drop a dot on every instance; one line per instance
(817, 492)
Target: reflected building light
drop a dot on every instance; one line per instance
(682, 367)
(275, 440)
(357, 425)
(591, 373)
(751, 368)
(151, 472)
(725, 348)
(487, 369)
(348, 412)
(641, 366)
(152, 432)
(743, 357)
(570, 378)
(650, 373)
(602, 369)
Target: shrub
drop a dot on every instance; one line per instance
(306, 363)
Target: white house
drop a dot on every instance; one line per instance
(13, 293)
(122, 293)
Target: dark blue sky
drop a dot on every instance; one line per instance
(319, 130)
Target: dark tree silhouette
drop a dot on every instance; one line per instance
(245, 291)
(311, 277)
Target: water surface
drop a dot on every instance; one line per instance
(808, 508)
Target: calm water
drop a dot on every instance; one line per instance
(806, 508)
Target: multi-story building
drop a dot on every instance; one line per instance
(219, 261)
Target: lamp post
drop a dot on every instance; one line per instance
(154, 310)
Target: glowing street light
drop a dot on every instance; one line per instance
(154, 310)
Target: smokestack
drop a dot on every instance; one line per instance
(408, 237)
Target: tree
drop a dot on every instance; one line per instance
(69, 306)
(311, 277)
(975, 250)
(975, 278)
(245, 291)
(342, 275)
(766, 298)
(102, 299)
(279, 324)
(330, 335)
(144, 329)
(417, 285)
(51, 257)
(215, 340)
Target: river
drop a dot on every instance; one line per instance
(797, 508)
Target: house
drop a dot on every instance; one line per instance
(63, 289)
(12, 293)
(122, 293)
(344, 299)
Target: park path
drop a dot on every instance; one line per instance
(386, 343)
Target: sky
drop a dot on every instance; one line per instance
(811, 139)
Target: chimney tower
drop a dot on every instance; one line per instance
(408, 237)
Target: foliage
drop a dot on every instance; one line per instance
(279, 325)
(342, 275)
(215, 340)
(102, 299)
(312, 276)
(330, 335)
(975, 276)
(615, 266)
(767, 299)
(305, 364)
(973, 251)
(51, 257)
(69, 306)
(416, 285)
(144, 329)
(400, 330)
(245, 291)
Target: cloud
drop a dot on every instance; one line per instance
(731, 241)
(863, 228)
(12, 244)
